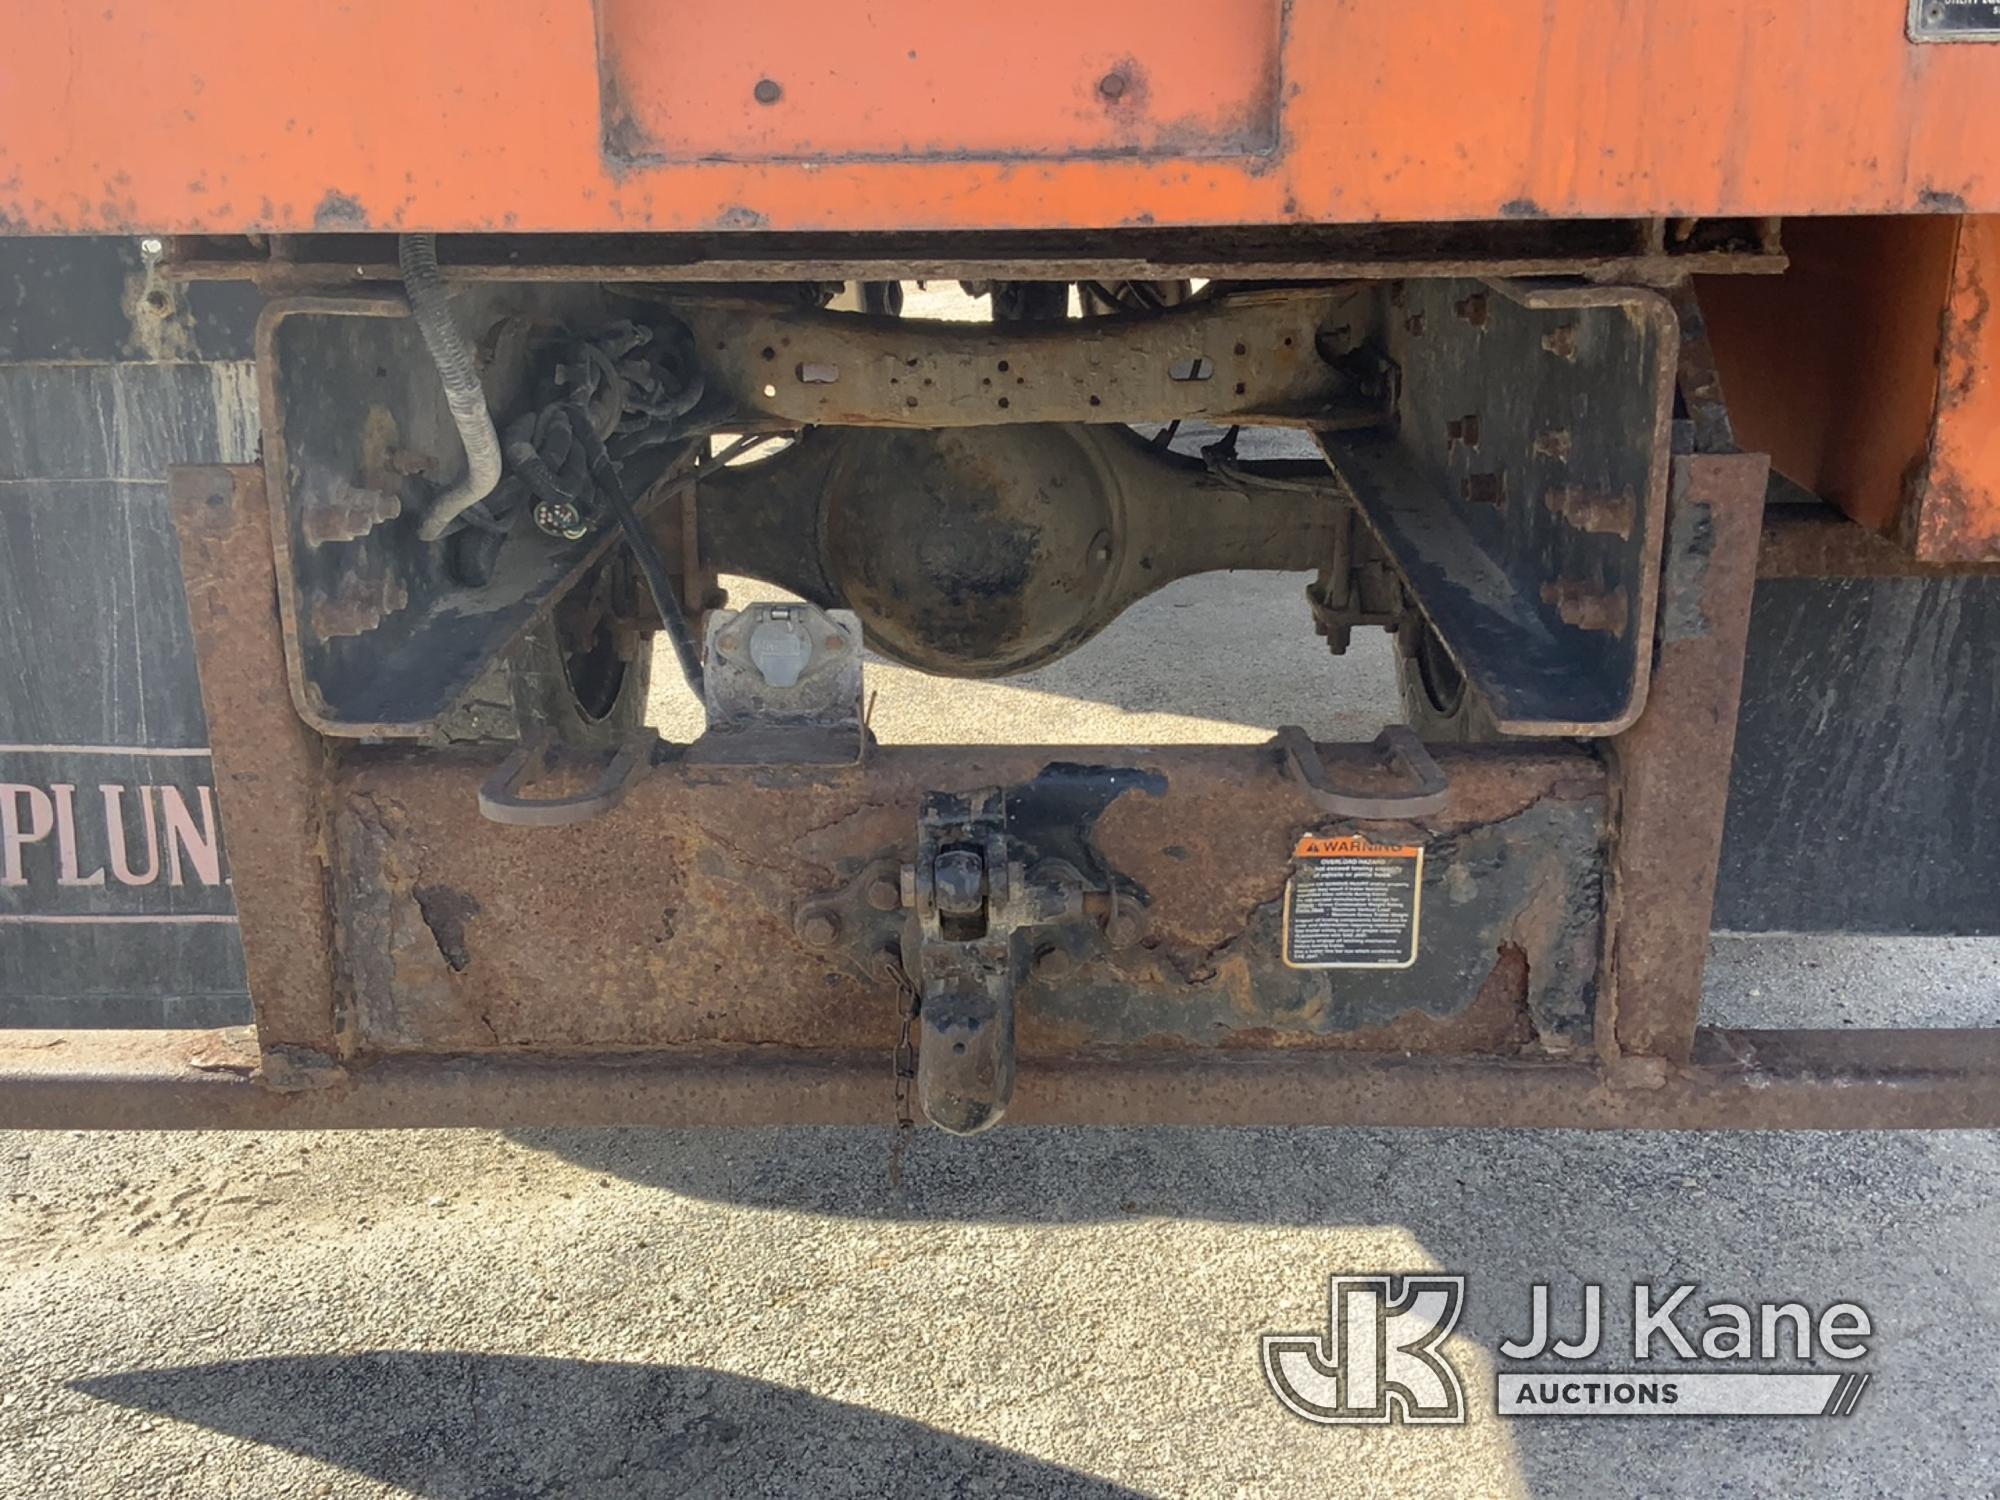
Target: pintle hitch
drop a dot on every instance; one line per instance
(972, 898)
(1004, 879)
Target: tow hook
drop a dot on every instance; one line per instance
(975, 901)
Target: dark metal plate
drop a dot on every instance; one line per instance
(1865, 795)
(1955, 20)
(1522, 492)
(379, 638)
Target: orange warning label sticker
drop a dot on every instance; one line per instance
(1353, 904)
(1351, 847)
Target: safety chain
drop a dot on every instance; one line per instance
(890, 965)
(628, 389)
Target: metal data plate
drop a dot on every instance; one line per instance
(1955, 20)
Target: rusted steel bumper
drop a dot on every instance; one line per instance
(710, 953)
(1738, 1080)
(396, 919)
(676, 920)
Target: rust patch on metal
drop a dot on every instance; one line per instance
(1816, 541)
(1588, 607)
(1602, 250)
(1953, 512)
(446, 912)
(269, 768)
(1671, 768)
(665, 922)
(397, 964)
(672, 920)
(298, 1070)
(1484, 489)
(1587, 510)
(1496, 1021)
(1772, 1080)
(937, 375)
(1207, 970)
(338, 211)
(361, 605)
(349, 512)
(156, 308)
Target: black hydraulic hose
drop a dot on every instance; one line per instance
(645, 552)
(423, 283)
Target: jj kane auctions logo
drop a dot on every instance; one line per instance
(1381, 1357)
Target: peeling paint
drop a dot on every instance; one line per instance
(339, 210)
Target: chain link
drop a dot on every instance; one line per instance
(891, 965)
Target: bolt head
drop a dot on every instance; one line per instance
(1053, 964)
(819, 929)
(884, 894)
(1123, 928)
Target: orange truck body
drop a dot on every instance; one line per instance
(198, 116)
(202, 115)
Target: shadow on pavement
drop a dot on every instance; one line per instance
(1893, 1220)
(1448, 1186)
(497, 1427)
(1902, 1223)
